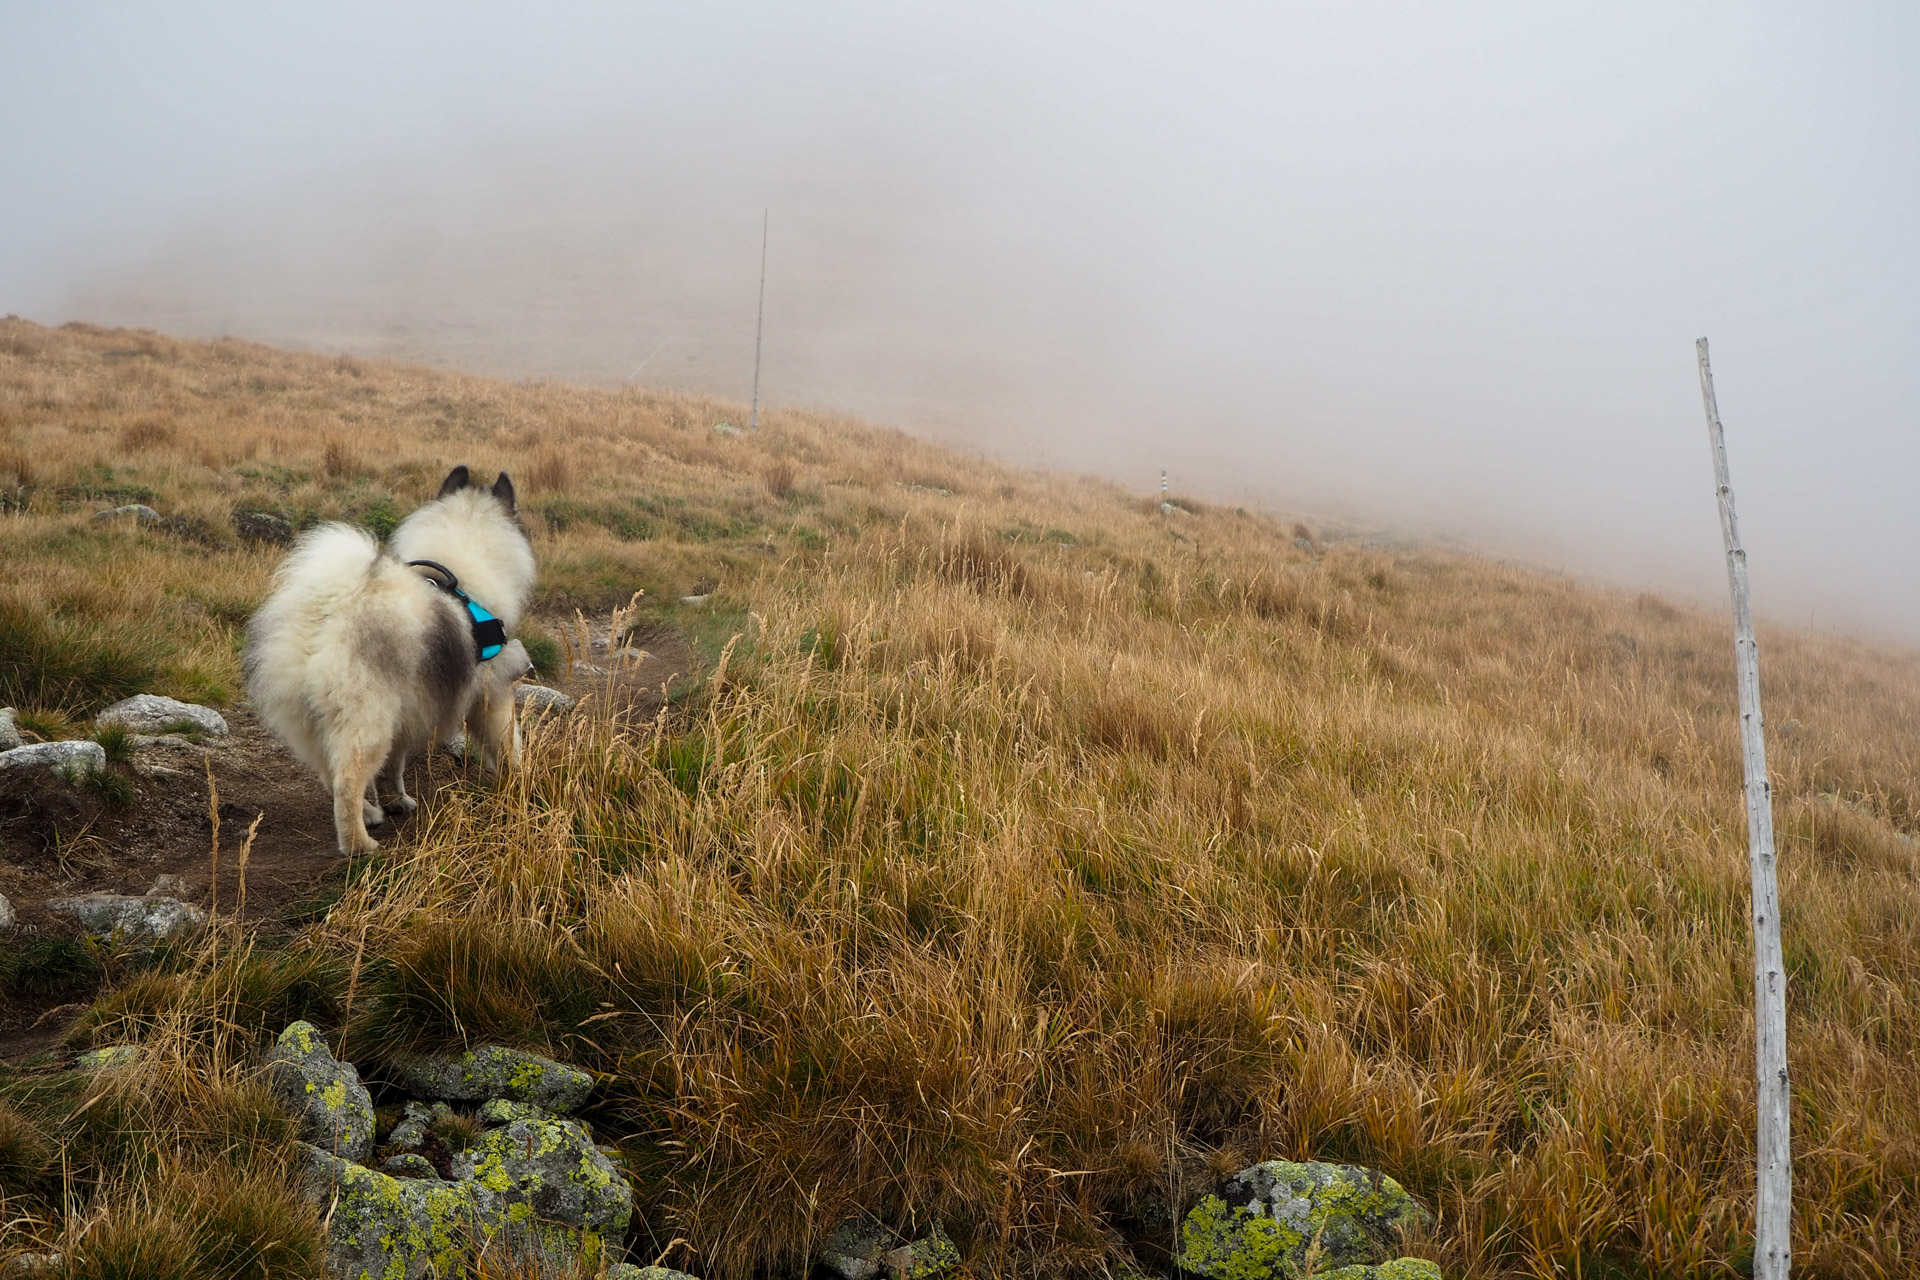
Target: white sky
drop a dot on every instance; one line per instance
(1438, 267)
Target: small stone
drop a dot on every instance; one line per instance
(151, 713)
(411, 1132)
(928, 1256)
(1791, 728)
(540, 699)
(627, 1271)
(7, 917)
(409, 1165)
(856, 1248)
(9, 729)
(727, 429)
(29, 1266)
(696, 599)
(117, 1055)
(1262, 1222)
(1304, 544)
(491, 1071)
(334, 1108)
(119, 915)
(72, 759)
(139, 513)
(168, 887)
(262, 527)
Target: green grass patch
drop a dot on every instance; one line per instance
(51, 661)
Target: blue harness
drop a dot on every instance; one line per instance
(489, 633)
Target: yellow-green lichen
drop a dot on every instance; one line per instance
(1232, 1244)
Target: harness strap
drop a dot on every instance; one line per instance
(489, 633)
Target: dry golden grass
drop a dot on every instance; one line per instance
(1025, 858)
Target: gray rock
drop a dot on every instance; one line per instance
(540, 699)
(552, 1167)
(139, 513)
(394, 1228)
(7, 918)
(505, 1111)
(456, 746)
(854, 1249)
(490, 1071)
(262, 527)
(627, 1271)
(151, 713)
(9, 729)
(1398, 1269)
(27, 1266)
(72, 759)
(408, 1164)
(334, 1108)
(116, 1055)
(411, 1132)
(119, 915)
(168, 887)
(1264, 1221)
(931, 1255)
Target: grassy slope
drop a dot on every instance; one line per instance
(1029, 857)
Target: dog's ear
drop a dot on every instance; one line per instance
(457, 479)
(503, 490)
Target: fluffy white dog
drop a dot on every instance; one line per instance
(359, 659)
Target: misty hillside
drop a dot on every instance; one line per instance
(1006, 854)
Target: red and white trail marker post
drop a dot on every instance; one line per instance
(1773, 1186)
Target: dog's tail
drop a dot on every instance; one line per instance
(329, 553)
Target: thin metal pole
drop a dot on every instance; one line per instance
(760, 321)
(1773, 1188)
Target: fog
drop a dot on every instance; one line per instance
(1411, 267)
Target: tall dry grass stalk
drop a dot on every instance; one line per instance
(1025, 858)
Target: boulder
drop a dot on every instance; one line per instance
(151, 713)
(1266, 1221)
(138, 512)
(544, 1172)
(7, 917)
(490, 1071)
(72, 758)
(540, 700)
(393, 1228)
(262, 527)
(9, 729)
(121, 916)
(334, 1108)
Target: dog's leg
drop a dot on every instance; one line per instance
(350, 779)
(370, 811)
(401, 800)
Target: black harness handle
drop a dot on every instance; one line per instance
(489, 633)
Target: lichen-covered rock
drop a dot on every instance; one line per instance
(539, 699)
(115, 1055)
(854, 1249)
(409, 1164)
(262, 527)
(9, 729)
(627, 1271)
(384, 1228)
(411, 1132)
(6, 914)
(334, 1108)
(151, 713)
(545, 1173)
(1398, 1269)
(931, 1255)
(72, 759)
(1266, 1220)
(490, 1071)
(127, 918)
(138, 512)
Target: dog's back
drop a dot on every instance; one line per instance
(354, 654)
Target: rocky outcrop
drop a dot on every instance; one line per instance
(72, 759)
(491, 1071)
(121, 917)
(334, 1108)
(1286, 1221)
(151, 713)
(862, 1249)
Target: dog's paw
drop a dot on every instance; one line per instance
(372, 814)
(350, 849)
(405, 804)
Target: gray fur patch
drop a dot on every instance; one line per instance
(447, 660)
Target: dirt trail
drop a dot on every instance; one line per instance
(57, 840)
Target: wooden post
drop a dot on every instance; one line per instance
(760, 319)
(1773, 1187)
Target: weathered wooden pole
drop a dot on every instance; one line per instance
(760, 318)
(1773, 1187)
